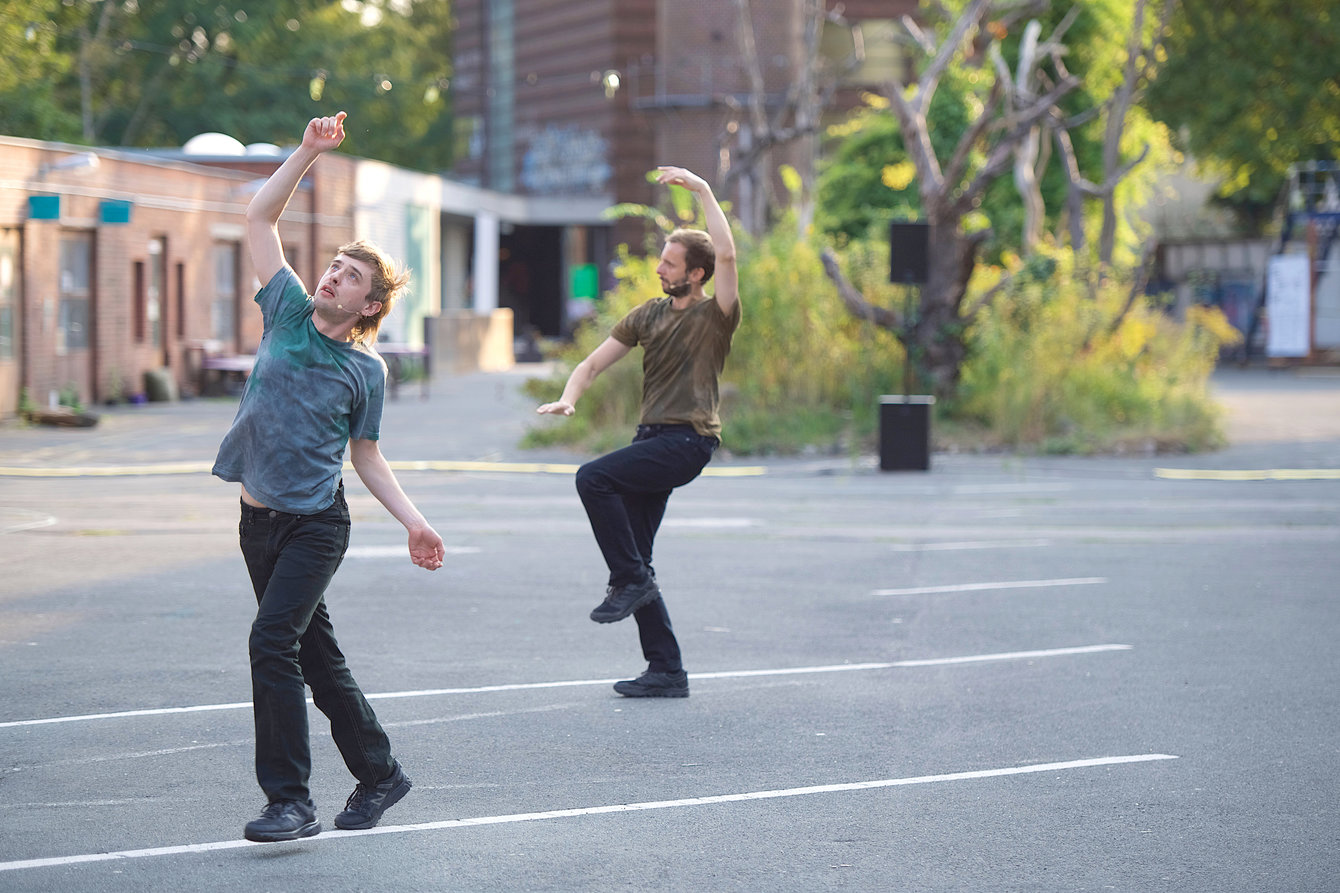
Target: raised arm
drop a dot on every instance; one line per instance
(727, 279)
(269, 202)
(610, 351)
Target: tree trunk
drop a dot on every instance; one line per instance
(937, 333)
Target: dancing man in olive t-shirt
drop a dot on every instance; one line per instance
(685, 338)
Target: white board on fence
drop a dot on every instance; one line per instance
(1289, 306)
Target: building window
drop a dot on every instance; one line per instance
(501, 94)
(154, 298)
(9, 289)
(138, 314)
(76, 268)
(223, 309)
(181, 300)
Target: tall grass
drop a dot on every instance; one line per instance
(1059, 363)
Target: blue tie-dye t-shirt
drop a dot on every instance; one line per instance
(306, 397)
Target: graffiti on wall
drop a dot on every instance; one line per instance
(566, 160)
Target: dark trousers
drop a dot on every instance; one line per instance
(291, 559)
(625, 493)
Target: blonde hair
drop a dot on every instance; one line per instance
(388, 283)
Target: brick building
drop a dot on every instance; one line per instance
(116, 264)
(580, 100)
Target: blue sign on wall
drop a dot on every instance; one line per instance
(44, 207)
(115, 211)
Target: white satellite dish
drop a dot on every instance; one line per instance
(213, 144)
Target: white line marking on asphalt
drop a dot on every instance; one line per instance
(492, 714)
(579, 812)
(710, 522)
(248, 742)
(968, 489)
(139, 755)
(396, 465)
(525, 686)
(983, 587)
(401, 550)
(37, 522)
(981, 544)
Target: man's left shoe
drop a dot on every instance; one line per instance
(655, 685)
(621, 601)
(366, 804)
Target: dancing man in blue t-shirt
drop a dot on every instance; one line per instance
(317, 388)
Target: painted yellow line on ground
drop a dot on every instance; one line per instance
(727, 471)
(1248, 474)
(78, 471)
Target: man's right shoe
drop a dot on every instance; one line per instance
(655, 685)
(620, 601)
(284, 820)
(366, 804)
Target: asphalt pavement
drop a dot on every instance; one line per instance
(1005, 673)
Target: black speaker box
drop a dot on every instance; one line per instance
(909, 247)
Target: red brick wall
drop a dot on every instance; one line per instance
(190, 207)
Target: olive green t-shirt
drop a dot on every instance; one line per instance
(683, 353)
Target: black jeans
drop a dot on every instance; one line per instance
(624, 494)
(291, 559)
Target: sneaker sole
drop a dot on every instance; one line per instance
(397, 794)
(311, 829)
(633, 609)
(654, 693)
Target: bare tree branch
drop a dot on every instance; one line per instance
(1138, 283)
(999, 159)
(930, 78)
(958, 162)
(856, 303)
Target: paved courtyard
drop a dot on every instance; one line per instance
(1001, 674)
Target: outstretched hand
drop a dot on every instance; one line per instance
(324, 134)
(558, 407)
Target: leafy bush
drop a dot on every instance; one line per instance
(1057, 363)
(1056, 366)
(802, 373)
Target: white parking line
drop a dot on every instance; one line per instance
(983, 587)
(966, 546)
(29, 521)
(579, 812)
(520, 686)
(401, 550)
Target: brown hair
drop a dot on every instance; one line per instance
(388, 284)
(699, 252)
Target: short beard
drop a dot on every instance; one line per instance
(679, 289)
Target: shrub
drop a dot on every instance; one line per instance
(802, 372)
(1058, 363)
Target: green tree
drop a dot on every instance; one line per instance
(30, 69)
(156, 74)
(1012, 73)
(1252, 86)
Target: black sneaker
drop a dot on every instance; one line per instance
(655, 685)
(620, 601)
(284, 820)
(366, 804)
